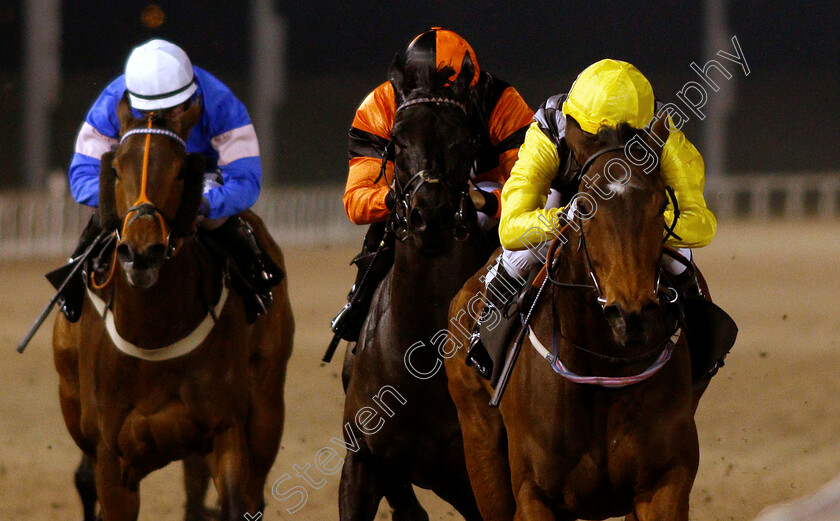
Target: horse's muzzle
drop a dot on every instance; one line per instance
(633, 327)
(141, 268)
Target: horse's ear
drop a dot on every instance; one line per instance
(658, 132)
(577, 140)
(461, 85)
(193, 174)
(396, 75)
(126, 118)
(188, 119)
(108, 218)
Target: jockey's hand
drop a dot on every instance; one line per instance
(391, 200)
(484, 201)
(478, 198)
(203, 221)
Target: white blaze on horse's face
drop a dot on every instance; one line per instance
(617, 189)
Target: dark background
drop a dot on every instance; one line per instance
(785, 113)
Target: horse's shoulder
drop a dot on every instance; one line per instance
(473, 286)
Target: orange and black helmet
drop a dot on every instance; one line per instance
(440, 48)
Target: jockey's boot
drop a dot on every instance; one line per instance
(497, 322)
(708, 352)
(373, 264)
(257, 272)
(71, 298)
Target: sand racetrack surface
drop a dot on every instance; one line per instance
(769, 425)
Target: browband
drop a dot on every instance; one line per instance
(418, 101)
(160, 131)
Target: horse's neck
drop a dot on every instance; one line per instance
(173, 307)
(425, 286)
(574, 309)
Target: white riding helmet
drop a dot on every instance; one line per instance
(158, 75)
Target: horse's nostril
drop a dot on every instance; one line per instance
(125, 253)
(417, 220)
(650, 307)
(612, 312)
(156, 254)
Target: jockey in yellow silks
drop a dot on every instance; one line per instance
(606, 93)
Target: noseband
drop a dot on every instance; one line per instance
(404, 195)
(143, 206)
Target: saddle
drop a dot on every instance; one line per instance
(251, 272)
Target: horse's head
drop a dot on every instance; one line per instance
(434, 151)
(150, 189)
(619, 207)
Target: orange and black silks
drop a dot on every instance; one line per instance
(500, 118)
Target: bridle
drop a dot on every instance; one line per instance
(665, 348)
(666, 294)
(404, 194)
(143, 206)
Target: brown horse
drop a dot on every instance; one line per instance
(162, 364)
(401, 426)
(557, 448)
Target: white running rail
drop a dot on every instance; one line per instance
(48, 223)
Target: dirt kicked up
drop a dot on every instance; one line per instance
(769, 425)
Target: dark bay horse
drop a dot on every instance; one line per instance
(558, 448)
(415, 439)
(162, 364)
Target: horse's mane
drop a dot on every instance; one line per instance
(617, 135)
(431, 82)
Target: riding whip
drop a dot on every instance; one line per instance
(79, 262)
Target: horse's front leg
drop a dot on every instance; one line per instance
(668, 501)
(229, 464)
(117, 501)
(86, 486)
(196, 482)
(485, 442)
(530, 505)
(361, 488)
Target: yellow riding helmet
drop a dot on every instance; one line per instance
(607, 93)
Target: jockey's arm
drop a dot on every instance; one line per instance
(525, 193)
(683, 170)
(508, 123)
(235, 141)
(239, 163)
(98, 135)
(84, 167)
(365, 192)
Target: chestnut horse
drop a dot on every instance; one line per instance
(558, 448)
(162, 364)
(415, 439)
